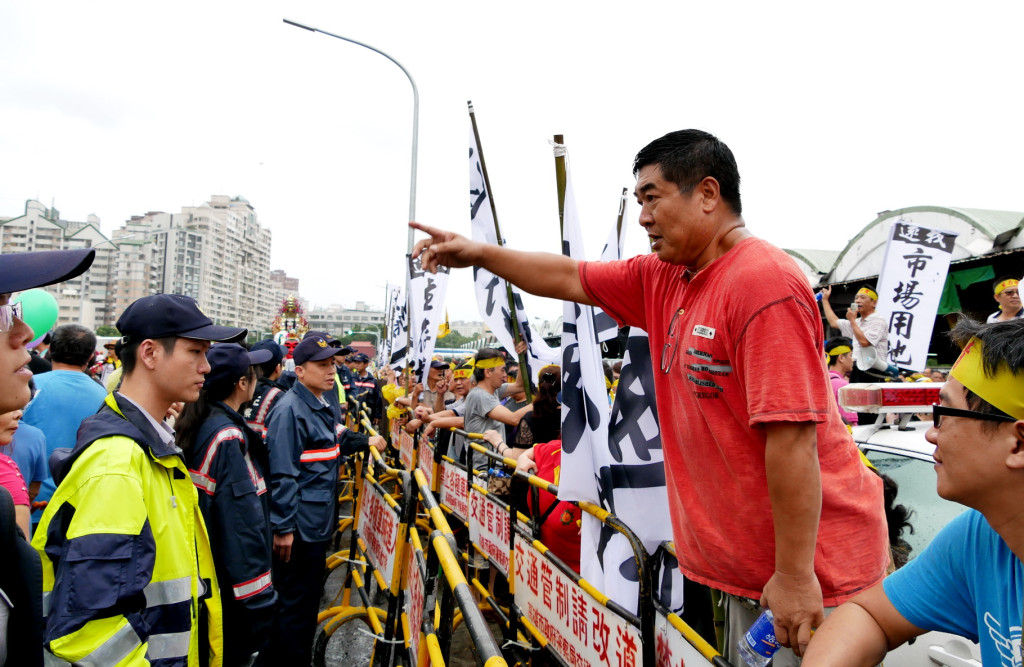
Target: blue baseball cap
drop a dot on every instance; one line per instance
(163, 315)
(276, 351)
(25, 270)
(232, 361)
(313, 348)
(359, 358)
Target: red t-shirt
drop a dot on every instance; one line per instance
(11, 479)
(740, 344)
(560, 532)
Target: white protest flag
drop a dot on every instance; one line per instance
(428, 291)
(584, 397)
(631, 483)
(491, 294)
(910, 288)
(398, 325)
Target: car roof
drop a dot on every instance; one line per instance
(888, 438)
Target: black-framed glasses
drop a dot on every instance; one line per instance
(939, 411)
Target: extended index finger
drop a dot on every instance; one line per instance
(434, 233)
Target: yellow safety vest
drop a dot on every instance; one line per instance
(123, 509)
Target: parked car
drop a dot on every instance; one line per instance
(900, 451)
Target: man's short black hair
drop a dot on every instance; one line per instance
(686, 157)
(128, 354)
(1003, 349)
(72, 344)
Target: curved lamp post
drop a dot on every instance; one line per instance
(415, 114)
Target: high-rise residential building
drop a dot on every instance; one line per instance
(83, 300)
(217, 253)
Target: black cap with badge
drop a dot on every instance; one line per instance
(315, 348)
(163, 315)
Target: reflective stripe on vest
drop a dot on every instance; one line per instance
(249, 588)
(110, 652)
(170, 645)
(319, 454)
(171, 591)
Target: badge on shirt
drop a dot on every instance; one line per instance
(704, 332)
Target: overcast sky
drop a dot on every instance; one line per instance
(834, 111)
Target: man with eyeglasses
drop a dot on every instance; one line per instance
(770, 504)
(1006, 292)
(970, 579)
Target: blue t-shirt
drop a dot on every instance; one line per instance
(63, 399)
(967, 582)
(28, 449)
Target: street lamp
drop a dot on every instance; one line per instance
(415, 115)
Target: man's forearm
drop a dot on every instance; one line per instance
(540, 273)
(858, 333)
(830, 315)
(850, 636)
(794, 488)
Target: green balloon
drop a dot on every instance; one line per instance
(39, 310)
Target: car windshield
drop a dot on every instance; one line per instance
(916, 480)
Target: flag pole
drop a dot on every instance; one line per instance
(560, 183)
(497, 232)
(622, 213)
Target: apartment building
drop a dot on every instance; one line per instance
(83, 299)
(217, 253)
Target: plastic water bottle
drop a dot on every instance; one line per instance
(758, 645)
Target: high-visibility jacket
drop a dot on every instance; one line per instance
(128, 575)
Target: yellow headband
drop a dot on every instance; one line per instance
(1005, 391)
(869, 292)
(462, 373)
(1010, 282)
(841, 349)
(493, 362)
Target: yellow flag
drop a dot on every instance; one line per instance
(443, 330)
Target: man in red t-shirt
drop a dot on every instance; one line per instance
(769, 500)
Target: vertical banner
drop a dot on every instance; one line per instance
(604, 325)
(427, 291)
(491, 294)
(631, 483)
(910, 287)
(584, 396)
(397, 329)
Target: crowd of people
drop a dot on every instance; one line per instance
(186, 485)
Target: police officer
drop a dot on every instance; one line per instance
(364, 386)
(126, 555)
(305, 436)
(268, 389)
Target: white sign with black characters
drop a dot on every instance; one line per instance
(910, 288)
(428, 291)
